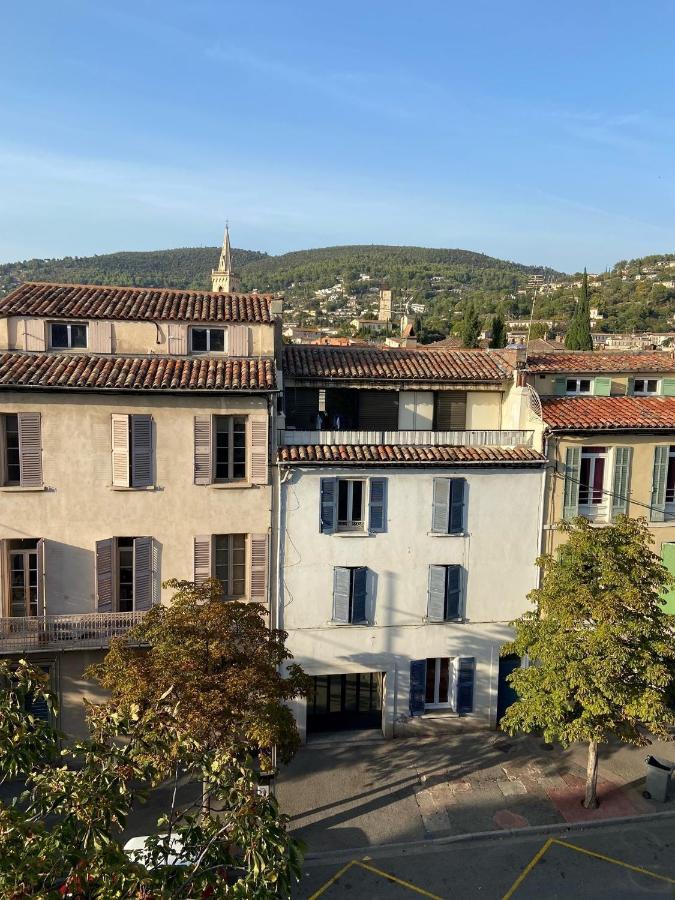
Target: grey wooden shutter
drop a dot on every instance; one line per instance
(100, 336)
(342, 579)
(621, 483)
(177, 338)
(571, 491)
(436, 594)
(237, 340)
(259, 449)
(377, 513)
(259, 568)
(120, 450)
(30, 449)
(104, 575)
(659, 475)
(440, 514)
(668, 387)
(418, 686)
(328, 505)
(143, 573)
(41, 576)
(560, 386)
(203, 450)
(465, 679)
(141, 450)
(453, 593)
(359, 591)
(202, 558)
(457, 496)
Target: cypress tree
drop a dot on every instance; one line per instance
(579, 332)
(498, 331)
(470, 331)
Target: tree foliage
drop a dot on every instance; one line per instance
(601, 647)
(578, 335)
(470, 330)
(497, 331)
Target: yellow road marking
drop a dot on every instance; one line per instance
(399, 881)
(331, 881)
(617, 862)
(526, 871)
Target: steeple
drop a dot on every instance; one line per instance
(224, 278)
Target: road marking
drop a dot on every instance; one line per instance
(375, 871)
(331, 881)
(526, 871)
(617, 862)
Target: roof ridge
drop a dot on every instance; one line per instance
(136, 287)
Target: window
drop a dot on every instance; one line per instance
(444, 600)
(68, 335)
(350, 505)
(127, 574)
(12, 455)
(448, 510)
(646, 386)
(230, 564)
(592, 480)
(343, 505)
(439, 683)
(437, 693)
(207, 340)
(349, 595)
(229, 446)
(132, 450)
(23, 579)
(578, 385)
(670, 483)
(21, 449)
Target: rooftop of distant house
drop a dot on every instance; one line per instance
(590, 362)
(609, 413)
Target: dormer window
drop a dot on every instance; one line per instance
(646, 386)
(207, 340)
(68, 335)
(578, 386)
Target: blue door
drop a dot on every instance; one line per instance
(505, 693)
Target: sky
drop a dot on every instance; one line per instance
(538, 132)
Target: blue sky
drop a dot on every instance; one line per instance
(532, 131)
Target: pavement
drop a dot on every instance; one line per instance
(342, 794)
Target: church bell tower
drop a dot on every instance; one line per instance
(224, 278)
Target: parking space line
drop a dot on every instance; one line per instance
(617, 862)
(399, 881)
(526, 871)
(331, 881)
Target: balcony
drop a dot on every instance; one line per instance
(290, 437)
(91, 631)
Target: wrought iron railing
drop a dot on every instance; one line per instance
(89, 631)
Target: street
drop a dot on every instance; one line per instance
(617, 861)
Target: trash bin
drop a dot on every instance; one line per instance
(658, 779)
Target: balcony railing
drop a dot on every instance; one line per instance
(291, 437)
(90, 631)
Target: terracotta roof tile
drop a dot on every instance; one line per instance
(400, 454)
(590, 362)
(609, 413)
(384, 364)
(143, 373)
(133, 303)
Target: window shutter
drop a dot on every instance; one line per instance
(602, 387)
(34, 334)
(141, 450)
(259, 568)
(622, 463)
(630, 387)
(418, 686)
(202, 558)
(259, 449)
(457, 495)
(560, 386)
(450, 411)
(177, 338)
(30, 449)
(341, 592)
(104, 575)
(359, 592)
(203, 458)
(440, 515)
(328, 504)
(143, 574)
(377, 514)
(41, 576)
(659, 474)
(120, 450)
(465, 679)
(453, 605)
(572, 472)
(100, 336)
(37, 707)
(668, 387)
(237, 340)
(436, 594)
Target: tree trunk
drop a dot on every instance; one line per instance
(591, 798)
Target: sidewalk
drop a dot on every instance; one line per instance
(343, 794)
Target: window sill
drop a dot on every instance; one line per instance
(442, 534)
(121, 487)
(20, 488)
(458, 621)
(228, 485)
(353, 534)
(439, 712)
(351, 624)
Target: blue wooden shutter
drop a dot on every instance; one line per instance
(328, 505)
(105, 551)
(37, 706)
(602, 387)
(457, 496)
(440, 515)
(359, 584)
(436, 594)
(377, 515)
(659, 475)
(141, 451)
(668, 387)
(342, 578)
(560, 386)
(453, 594)
(465, 678)
(622, 463)
(572, 473)
(418, 686)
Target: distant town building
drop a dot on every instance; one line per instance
(386, 304)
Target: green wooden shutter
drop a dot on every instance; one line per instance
(560, 386)
(659, 474)
(668, 557)
(621, 485)
(630, 387)
(572, 472)
(602, 387)
(668, 387)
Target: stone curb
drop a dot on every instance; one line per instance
(413, 847)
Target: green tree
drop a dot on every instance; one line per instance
(470, 328)
(579, 332)
(498, 331)
(65, 836)
(601, 646)
(538, 330)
